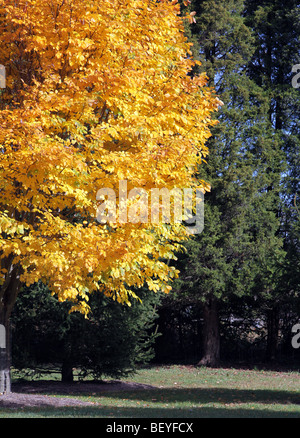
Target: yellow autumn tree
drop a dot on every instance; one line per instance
(97, 92)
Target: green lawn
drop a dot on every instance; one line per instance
(188, 392)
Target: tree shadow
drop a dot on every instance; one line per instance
(210, 395)
(150, 395)
(115, 413)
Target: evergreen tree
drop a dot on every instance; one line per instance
(276, 26)
(112, 342)
(244, 169)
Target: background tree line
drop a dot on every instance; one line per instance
(238, 293)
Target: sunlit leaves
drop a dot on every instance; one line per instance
(97, 92)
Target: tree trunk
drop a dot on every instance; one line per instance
(211, 335)
(67, 372)
(273, 332)
(5, 359)
(8, 295)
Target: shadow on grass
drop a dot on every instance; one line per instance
(187, 403)
(210, 395)
(114, 413)
(166, 395)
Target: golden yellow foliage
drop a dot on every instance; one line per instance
(96, 92)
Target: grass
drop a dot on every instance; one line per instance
(188, 392)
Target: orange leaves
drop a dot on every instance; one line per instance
(97, 92)
(191, 17)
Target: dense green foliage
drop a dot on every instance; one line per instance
(111, 342)
(245, 264)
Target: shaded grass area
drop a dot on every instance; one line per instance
(186, 392)
(105, 412)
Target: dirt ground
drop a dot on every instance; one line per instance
(32, 394)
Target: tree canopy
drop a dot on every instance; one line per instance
(96, 93)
